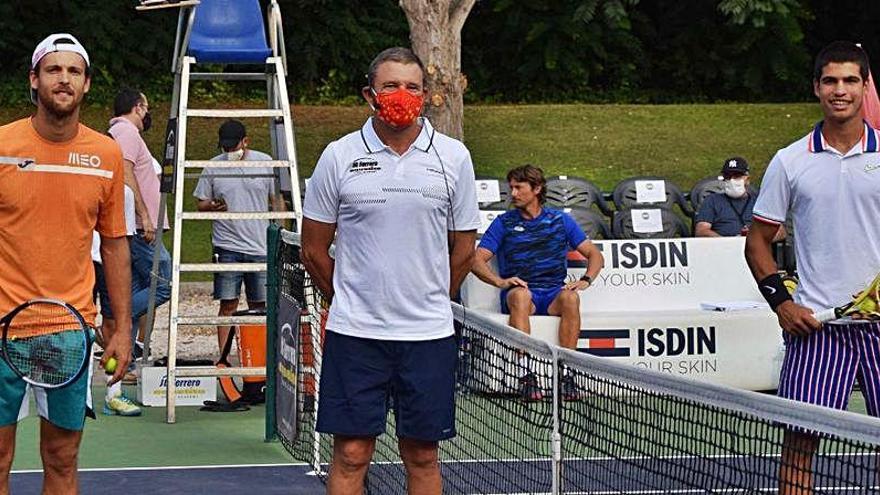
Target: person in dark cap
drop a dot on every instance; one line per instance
(246, 188)
(729, 213)
(233, 136)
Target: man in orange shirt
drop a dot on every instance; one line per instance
(59, 181)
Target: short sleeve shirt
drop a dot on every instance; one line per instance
(393, 214)
(130, 227)
(247, 190)
(52, 196)
(533, 249)
(135, 150)
(728, 216)
(833, 198)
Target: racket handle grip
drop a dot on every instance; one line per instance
(825, 315)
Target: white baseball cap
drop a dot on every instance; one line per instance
(58, 42)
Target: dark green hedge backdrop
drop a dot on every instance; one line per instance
(513, 50)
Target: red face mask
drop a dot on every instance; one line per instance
(399, 108)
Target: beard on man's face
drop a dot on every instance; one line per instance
(46, 99)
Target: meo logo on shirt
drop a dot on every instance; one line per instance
(83, 160)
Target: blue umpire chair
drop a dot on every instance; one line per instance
(232, 33)
(229, 32)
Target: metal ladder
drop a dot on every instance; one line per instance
(283, 150)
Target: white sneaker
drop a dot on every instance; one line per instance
(121, 406)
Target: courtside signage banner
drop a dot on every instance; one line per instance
(644, 309)
(652, 275)
(189, 391)
(668, 274)
(286, 411)
(742, 349)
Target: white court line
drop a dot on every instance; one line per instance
(303, 464)
(442, 461)
(631, 458)
(722, 490)
(174, 468)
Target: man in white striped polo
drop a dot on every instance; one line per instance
(829, 181)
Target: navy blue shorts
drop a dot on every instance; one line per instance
(362, 378)
(541, 298)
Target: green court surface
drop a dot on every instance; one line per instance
(204, 438)
(197, 439)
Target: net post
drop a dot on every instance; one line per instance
(555, 435)
(273, 237)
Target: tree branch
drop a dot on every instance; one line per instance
(407, 7)
(458, 13)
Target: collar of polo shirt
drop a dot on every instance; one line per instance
(374, 144)
(817, 144)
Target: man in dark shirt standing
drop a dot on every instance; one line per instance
(729, 213)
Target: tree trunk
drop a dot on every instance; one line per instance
(435, 33)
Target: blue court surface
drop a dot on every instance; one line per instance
(217, 453)
(639, 476)
(631, 476)
(289, 479)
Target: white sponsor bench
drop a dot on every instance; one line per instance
(644, 309)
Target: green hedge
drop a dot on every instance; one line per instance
(513, 50)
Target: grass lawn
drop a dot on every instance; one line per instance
(604, 143)
(608, 143)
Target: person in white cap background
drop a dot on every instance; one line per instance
(729, 213)
(59, 181)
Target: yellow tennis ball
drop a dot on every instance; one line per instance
(110, 365)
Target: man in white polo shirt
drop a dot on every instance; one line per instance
(830, 182)
(401, 200)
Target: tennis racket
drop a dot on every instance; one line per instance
(46, 342)
(832, 314)
(864, 306)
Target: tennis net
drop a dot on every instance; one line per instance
(532, 418)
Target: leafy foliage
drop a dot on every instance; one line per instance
(330, 43)
(697, 50)
(851, 20)
(126, 48)
(512, 50)
(549, 50)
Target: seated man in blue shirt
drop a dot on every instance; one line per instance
(531, 243)
(729, 213)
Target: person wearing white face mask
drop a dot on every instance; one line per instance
(729, 213)
(242, 189)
